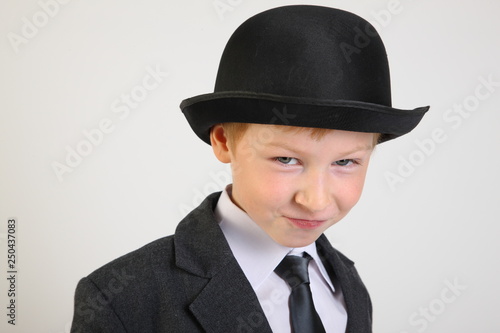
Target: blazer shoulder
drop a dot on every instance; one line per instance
(139, 260)
(161, 254)
(155, 288)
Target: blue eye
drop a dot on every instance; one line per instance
(344, 162)
(287, 160)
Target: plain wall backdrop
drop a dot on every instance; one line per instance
(424, 236)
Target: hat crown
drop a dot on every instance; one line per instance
(305, 66)
(310, 52)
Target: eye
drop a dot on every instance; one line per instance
(345, 162)
(287, 160)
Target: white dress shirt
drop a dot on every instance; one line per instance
(258, 255)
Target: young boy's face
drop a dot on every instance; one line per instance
(292, 185)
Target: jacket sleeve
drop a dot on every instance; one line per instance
(93, 312)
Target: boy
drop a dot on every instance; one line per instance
(302, 97)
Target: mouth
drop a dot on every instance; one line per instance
(306, 224)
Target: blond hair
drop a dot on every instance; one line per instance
(235, 131)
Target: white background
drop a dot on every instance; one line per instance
(436, 226)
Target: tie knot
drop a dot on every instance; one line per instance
(293, 269)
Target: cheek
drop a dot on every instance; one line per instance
(269, 191)
(278, 184)
(269, 188)
(350, 193)
(256, 186)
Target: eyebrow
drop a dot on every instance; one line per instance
(359, 148)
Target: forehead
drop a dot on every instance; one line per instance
(274, 134)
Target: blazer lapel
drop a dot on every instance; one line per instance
(227, 302)
(342, 270)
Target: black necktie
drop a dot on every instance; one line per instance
(303, 315)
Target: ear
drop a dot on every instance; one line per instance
(219, 144)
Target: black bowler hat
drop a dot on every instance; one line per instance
(306, 66)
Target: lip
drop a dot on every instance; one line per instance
(306, 224)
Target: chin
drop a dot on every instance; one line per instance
(298, 242)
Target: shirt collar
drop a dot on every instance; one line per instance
(256, 252)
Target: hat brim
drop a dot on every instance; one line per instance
(205, 111)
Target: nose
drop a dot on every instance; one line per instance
(314, 193)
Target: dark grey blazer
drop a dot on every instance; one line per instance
(191, 282)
